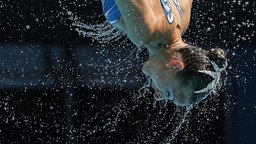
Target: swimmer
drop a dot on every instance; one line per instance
(180, 72)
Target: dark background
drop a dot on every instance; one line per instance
(49, 93)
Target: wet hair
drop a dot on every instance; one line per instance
(196, 59)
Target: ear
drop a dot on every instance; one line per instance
(175, 65)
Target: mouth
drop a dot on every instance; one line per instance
(162, 95)
(168, 95)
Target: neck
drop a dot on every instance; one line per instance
(165, 47)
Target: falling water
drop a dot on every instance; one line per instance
(180, 118)
(55, 89)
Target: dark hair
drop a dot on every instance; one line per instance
(196, 59)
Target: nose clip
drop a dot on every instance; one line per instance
(170, 95)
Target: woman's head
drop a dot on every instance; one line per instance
(184, 75)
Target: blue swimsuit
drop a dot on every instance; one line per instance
(111, 11)
(113, 15)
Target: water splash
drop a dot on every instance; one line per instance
(184, 119)
(105, 33)
(101, 32)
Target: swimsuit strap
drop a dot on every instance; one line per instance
(177, 4)
(111, 11)
(169, 12)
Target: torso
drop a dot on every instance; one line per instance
(165, 32)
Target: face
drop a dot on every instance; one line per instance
(163, 75)
(163, 79)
